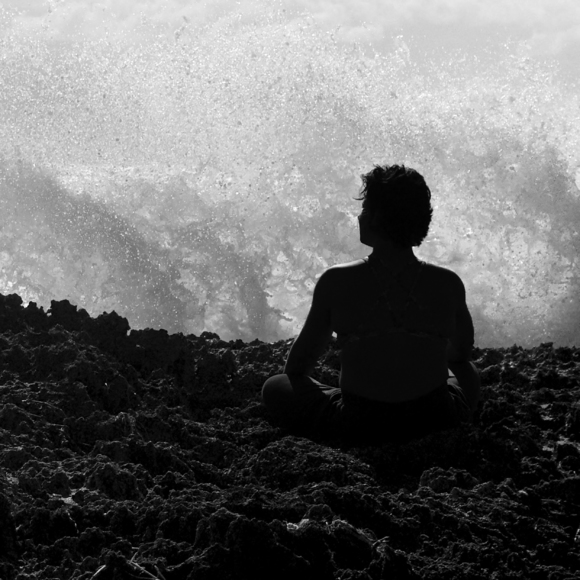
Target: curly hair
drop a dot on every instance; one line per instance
(399, 201)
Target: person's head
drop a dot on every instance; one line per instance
(396, 205)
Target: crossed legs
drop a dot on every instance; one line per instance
(301, 402)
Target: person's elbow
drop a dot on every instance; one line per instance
(458, 352)
(298, 367)
(301, 360)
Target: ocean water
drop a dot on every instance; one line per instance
(204, 180)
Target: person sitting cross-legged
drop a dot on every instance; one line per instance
(403, 328)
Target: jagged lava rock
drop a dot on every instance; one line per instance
(139, 452)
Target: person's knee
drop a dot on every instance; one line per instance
(273, 389)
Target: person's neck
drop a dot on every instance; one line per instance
(388, 253)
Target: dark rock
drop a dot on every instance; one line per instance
(139, 454)
(9, 548)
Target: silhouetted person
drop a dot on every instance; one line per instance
(402, 325)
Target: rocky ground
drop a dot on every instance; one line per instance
(146, 455)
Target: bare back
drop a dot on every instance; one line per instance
(394, 324)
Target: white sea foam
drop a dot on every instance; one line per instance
(165, 179)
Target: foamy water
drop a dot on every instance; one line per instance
(204, 181)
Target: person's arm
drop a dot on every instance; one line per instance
(461, 342)
(459, 352)
(315, 335)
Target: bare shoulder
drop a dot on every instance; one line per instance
(445, 279)
(348, 266)
(340, 277)
(342, 271)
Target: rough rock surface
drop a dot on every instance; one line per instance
(146, 455)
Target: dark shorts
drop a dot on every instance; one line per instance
(328, 411)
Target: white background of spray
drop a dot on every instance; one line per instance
(433, 29)
(456, 43)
